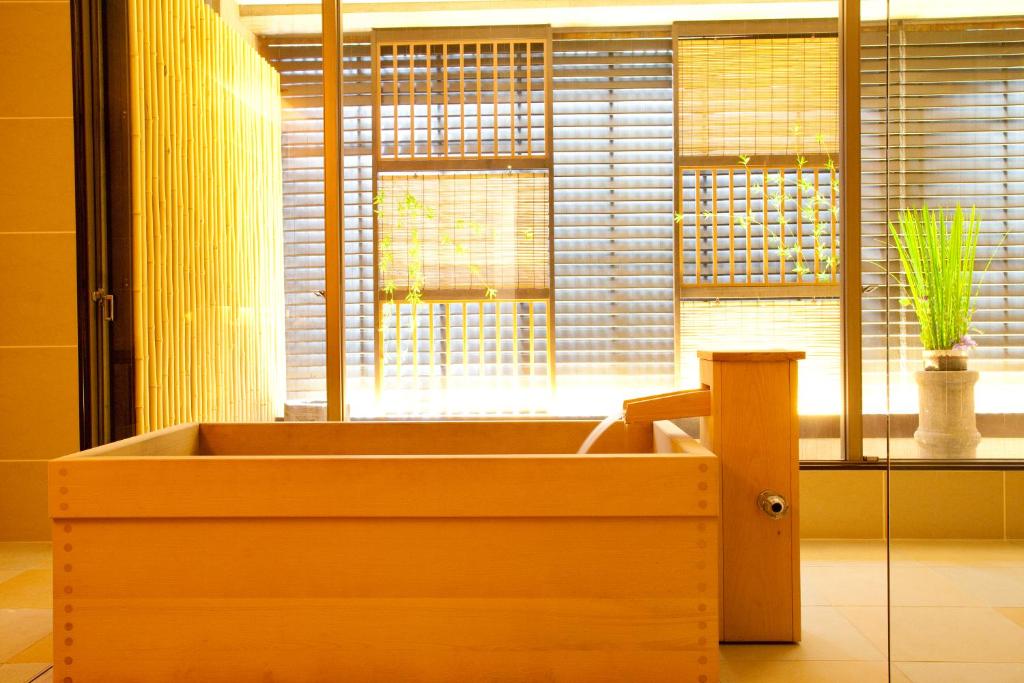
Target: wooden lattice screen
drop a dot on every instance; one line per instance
(462, 186)
(757, 190)
(462, 94)
(741, 225)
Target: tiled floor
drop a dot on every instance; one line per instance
(957, 615)
(25, 589)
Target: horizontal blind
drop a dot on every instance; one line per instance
(955, 135)
(299, 61)
(875, 262)
(613, 211)
(357, 77)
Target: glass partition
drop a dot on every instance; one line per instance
(953, 122)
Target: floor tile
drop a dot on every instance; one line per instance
(827, 636)
(1014, 614)
(31, 589)
(22, 673)
(21, 628)
(960, 553)
(819, 551)
(996, 586)
(871, 621)
(922, 586)
(814, 584)
(19, 557)
(897, 676)
(954, 634)
(960, 672)
(803, 672)
(39, 651)
(848, 583)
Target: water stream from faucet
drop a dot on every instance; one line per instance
(600, 429)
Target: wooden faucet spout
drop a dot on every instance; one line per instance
(639, 414)
(670, 406)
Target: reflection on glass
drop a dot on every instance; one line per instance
(953, 125)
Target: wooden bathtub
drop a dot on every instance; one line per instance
(459, 551)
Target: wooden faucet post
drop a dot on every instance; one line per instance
(753, 428)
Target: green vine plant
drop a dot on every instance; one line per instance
(414, 216)
(809, 203)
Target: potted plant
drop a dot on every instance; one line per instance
(937, 253)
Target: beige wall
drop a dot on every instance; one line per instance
(38, 354)
(967, 504)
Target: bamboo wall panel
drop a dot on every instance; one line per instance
(206, 158)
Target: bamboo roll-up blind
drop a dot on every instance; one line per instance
(206, 187)
(758, 195)
(955, 121)
(477, 233)
(757, 96)
(810, 325)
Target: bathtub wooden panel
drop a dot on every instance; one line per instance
(383, 568)
(391, 437)
(625, 557)
(408, 640)
(382, 486)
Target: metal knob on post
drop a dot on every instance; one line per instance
(773, 504)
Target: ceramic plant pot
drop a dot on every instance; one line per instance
(947, 428)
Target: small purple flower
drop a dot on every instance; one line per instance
(965, 343)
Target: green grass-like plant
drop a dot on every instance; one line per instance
(937, 253)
